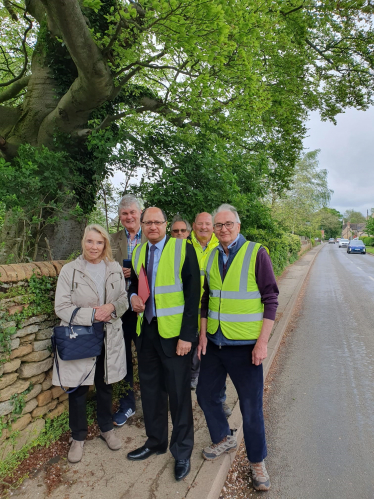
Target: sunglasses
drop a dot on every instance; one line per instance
(175, 231)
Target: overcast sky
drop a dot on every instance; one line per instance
(347, 152)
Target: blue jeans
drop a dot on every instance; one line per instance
(248, 381)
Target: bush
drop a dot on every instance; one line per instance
(283, 247)
(368, 241)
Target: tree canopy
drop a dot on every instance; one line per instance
(355, 217)
(84, 76)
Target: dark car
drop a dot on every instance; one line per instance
(356, 246)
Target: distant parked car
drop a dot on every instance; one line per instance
(331, 240)
(343, 243)
(338, 239)
(356, 246)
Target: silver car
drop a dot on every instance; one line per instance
(343, 243)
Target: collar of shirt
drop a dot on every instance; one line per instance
(232, 245)
(160, 245)
(138, 235)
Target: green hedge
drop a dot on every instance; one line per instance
(368, 241)
(283, 247)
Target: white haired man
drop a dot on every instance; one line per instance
(123, 244)
(238, 309)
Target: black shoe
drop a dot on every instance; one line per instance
(182, 468)
(142, 453)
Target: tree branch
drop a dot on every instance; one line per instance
(15, 89)
(24, 49)
(314, 47)
(94, 84)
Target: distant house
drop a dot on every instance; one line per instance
(350, 231)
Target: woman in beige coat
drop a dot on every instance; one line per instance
(95, 283)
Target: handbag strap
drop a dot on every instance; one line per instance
(73, 316)
(58, 374)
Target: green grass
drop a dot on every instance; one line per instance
(370, 249)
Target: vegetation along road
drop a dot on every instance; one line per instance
(320, 418)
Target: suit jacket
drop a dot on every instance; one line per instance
(118, 242)
(191, 291)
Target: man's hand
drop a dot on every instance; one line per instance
(126, 272)
(103, 313)
(183, 347)
(259, 352)
(137, 304)
(201, 349)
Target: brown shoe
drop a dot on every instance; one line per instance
(76, 451)
(113, 442)
(260, 477)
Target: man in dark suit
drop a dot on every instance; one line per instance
(166, 330)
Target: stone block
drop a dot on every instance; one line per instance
(13, 365)
(25, 331)
(30, 433)
(65, 403)
(44, 334)
(6, 448)
(19, 386)
(36, 356)
(6, 408)
(41, 345)
(63, 397)
(34, 320)
(4, 434)
(30, 406)
(34, 392)
(39, 378)
(1, 369)
(21, 423)
(13, 344)
(57, 391)
(8, 324)
(29, 369)
(44, 398)
(27, 339)
(40, 411)
(7, 380)
(56, 412)
(15, 309)
(21, 351)
(47, 383)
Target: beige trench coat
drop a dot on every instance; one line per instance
(75, 289)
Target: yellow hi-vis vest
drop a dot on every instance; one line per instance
(169, 297)
(201, 256)
(235, 304)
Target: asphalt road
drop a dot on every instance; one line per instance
(320, 422)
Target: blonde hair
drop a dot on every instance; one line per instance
(107, 252)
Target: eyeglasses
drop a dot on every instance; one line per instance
(176, 231)
(157, 223)
(228, 225)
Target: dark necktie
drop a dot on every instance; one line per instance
(149, 303)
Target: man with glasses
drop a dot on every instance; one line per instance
(204, 240)
(237, 315)
(180, 228)
(123, 244)
(166, 330)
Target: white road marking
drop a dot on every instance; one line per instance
(359, 268)
(372, 278)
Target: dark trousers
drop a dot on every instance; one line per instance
(129, 319)
(161, 376)
(195, 363)
(77, 404)
(248, 381)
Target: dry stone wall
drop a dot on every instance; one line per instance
(27, 396)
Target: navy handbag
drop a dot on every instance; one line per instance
(74, 342)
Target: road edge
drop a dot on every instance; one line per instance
(212, 475)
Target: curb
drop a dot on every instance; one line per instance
(212, 475)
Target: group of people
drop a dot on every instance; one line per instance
(211, 308)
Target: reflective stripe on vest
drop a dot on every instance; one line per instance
(169, 298)
(235, 305)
